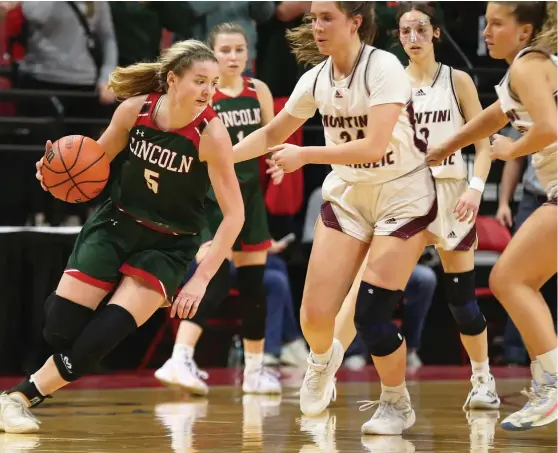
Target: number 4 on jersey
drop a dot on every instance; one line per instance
(151, 178)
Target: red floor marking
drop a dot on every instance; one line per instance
(228, 376)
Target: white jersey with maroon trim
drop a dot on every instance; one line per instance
(377, 78)
(544, 161)
(438, 116)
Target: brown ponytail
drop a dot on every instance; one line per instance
(302, 39)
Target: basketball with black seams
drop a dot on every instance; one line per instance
(75, 169)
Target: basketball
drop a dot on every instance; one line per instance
(76, 169)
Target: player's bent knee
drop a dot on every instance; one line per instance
(460, 291)
(111, 325)
(64, 321)
(497, 281)
(382, 339)
(374, 311)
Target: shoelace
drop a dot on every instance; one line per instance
(196, 371)
(383, 406)
(531, 395)
(268, 373)
(24, 411)
(27, 413)
(314, 380)
(542, 392)
(479, 387)
(315, 377)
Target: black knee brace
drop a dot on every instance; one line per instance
(460, 291)
(64, 321)
(250, 281)
(216, 292)
(110, 326)
(374, 311)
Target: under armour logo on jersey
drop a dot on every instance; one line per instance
(420, 92)
(391, 221)
(370, 291)
(338, 95)
(114, 222)
(452, 235)
(140, 133)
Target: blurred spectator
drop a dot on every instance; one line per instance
(245, 14)
(418, 294)
(277, 67)
(69, 46)
(283, 339)
(281, 72)
(138, 26)
(60, 52)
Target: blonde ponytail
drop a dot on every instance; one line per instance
(145, 78)
(547, 36)
(135, 80)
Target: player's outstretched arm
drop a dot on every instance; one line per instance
(116, 136)
(300, 107)
(381, 122)
(257, 143)
(216, 150)
(488, 122)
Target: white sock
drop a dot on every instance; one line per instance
(480, 367)
(182, 352)
(324, 358)
(401, 389)
(549, 361)
(340, 344)
(32, 379)
(252, 361)
(537, 372)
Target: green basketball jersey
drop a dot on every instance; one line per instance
(163, 183)
(241, 116)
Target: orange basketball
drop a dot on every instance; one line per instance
(76, 169)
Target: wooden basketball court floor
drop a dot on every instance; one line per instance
(133, 413)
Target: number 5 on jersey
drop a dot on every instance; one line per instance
(151, 178)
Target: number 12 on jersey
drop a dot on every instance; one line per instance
(151, 178)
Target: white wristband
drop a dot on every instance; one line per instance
(477, 184)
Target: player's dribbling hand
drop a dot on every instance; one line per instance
(288, 157)
(501, 147)
(275, 172)
(467, 207)
(39, 164)
(186, 304)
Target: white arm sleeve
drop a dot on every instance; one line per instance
(387, 81)
(301, 103)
